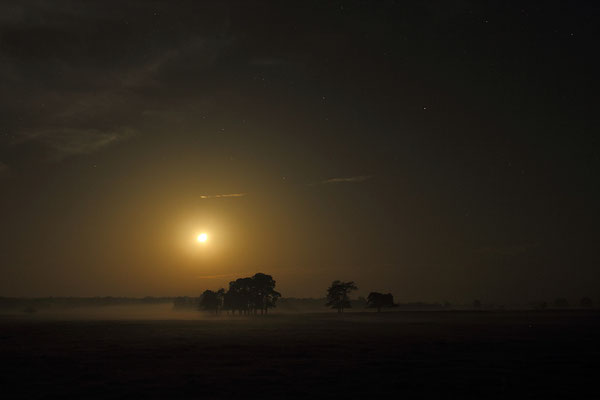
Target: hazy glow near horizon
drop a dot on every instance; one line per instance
(203, 237)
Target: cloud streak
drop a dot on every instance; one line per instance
(218, 196)
(68, 141)
(351, 179)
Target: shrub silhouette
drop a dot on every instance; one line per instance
(337, 295)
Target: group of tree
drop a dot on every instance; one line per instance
(256, 294)
(245, 295)
(562, 302)
(338, 297)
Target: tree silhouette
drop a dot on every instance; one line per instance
(249, 295)
(211, 301)
(477, 304)
(263, 293)
(238, 295)
(229, 301)
(220, 299)
(379, 300)
(337, 295)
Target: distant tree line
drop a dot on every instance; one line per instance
(256, 294)
(561, 302)
(338, 298)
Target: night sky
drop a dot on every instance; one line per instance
(440, 150)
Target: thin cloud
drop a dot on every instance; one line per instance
(218, 196)
(351, 179)
(67, 142)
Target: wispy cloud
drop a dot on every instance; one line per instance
(72, 101)
(350, 179)
(217, 196)
(68, 141)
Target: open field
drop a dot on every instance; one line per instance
(400, 354)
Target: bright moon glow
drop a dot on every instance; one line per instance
(202, 237)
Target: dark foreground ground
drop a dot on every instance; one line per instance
(401, 354)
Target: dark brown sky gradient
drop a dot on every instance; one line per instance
(438, 150)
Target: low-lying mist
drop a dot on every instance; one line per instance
(113, 312)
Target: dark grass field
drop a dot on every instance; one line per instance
(355, 355)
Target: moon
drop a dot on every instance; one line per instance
(203, 237)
